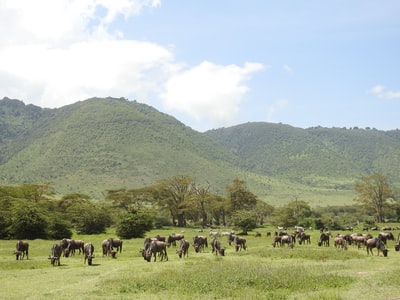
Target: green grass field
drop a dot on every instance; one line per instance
(260, 272)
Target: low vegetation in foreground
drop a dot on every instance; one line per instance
(260, 272)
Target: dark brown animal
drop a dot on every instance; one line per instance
(340, 243)
(183, 248)
(384, 236)
(55, 254)
(289, 240)
(88, 251)
(376, 243)
(277, 240)
(217, 247)
(74, 245)
(304, 237)
(199, 243)
(173, 238)
(154, 248)
(239, 243)
(105, 246)
(324, 239)
(21, 249)
(117, 243)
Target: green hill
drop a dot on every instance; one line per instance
(99, 144)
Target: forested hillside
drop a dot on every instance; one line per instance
(99, 144)
(312, 155)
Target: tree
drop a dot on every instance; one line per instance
(28, 223)
(374, 193)
(239, 197)
(174, 194)
(135, 223)
(245, 220)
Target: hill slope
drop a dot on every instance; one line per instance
(101, 144)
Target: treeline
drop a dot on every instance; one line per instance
(30, 211)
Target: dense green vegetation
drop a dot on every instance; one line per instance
(103, 144)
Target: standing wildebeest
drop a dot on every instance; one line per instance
(277, 240)
(231, 237)
(183, 248)
(21, 249)
(376, 243)
(288, 239)
(73, 245)
(324, 239)
(340, 242)
(55, 254)
(173, 238)
(216, 247)
(105, 246)
(153, 248)
(88, 251)
(117, 243)
(239, 243)
(384, 236)
(199, 242)
(304, 237)
(397, 245)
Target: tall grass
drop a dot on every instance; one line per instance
(260, 272)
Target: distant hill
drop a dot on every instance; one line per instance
(99, 144)
(312, 155)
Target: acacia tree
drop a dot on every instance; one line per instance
(239, 196)
(174, 194)
(374, 193)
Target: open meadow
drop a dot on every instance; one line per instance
(260, 272)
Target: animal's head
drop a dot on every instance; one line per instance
(180, 252)
(397, 247)
(222, 251)
(18, 254)
(66, 251)
(385, 252)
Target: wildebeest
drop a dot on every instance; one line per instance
(154, 248)
(117, 243)
(88, 251)
(288, 239)
(239, 243)
(376, 243)
(199, 242)
(324, 239)
(304, 237)
(74, 245)
(173, 238)
(277, 240)
(340, 242)
(105, 246)
(217, 247)
(55, 254)
(397, 245)
(231, 237)
(21, 249)
(183, 248)
(384, 236)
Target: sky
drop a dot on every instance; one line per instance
(210, 63)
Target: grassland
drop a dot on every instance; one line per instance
(260, 272)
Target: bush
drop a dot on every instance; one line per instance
(28, 223)
(135, 223)
(59, 229)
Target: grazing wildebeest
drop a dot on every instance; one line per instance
(239, 243)
(21, 249)
(324, 239)
(183, 248)
(173, 238)
(231, 237)
(199, 242)
(117, 243)
(64, 244)
(160, 238)
(376, 243)
(397, 245)
(154, 248)
(217, 247)
(340, 242)
(55, 254)
(73, 245)
(257, 234)
(88, 251)
(304, 237)
(105, 246)
(288, 239)
(277, 240)
(384, 236)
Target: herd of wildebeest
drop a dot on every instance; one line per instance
(157, 246)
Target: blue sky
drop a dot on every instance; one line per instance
(210, 63)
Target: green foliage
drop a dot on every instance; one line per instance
(28, 222)
(245, 220)
(135, 223)
(59, 229)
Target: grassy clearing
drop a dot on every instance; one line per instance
(261, 272)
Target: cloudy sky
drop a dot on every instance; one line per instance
(210, 63)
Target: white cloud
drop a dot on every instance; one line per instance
(381, 92)
(53, 53)
(209, 92)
